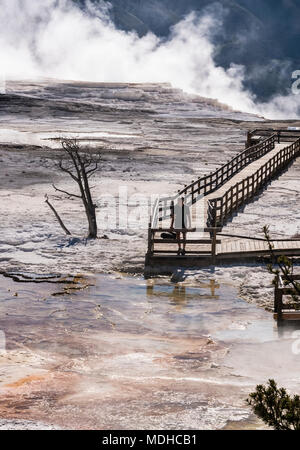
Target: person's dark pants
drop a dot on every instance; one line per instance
(178, 233)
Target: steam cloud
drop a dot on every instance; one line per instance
(56, 39)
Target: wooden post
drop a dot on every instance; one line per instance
(150, 246)
(192, 190)
(276, 295)
(248, 141)
(214, 246)
(278, 299)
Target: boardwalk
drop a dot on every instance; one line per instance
(237, 248)
(249, 170)
(216, 197)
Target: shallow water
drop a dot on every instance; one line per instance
(124, 352)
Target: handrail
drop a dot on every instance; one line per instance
(282, 289)
(239, 236)
(153, 219)
(220, 208)
(268, 131)
(211, 241)
(283, 134)
(209, 183)
(186, 230)
(262, 131)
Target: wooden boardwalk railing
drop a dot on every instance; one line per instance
(283, 288)
(219, 209)
(210, 242)
(288, 135)
(209, 183)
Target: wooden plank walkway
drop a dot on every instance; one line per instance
(229, 249)
(214, 199)
(199, 213)
(236, 248)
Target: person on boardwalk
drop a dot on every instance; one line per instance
(180, 220)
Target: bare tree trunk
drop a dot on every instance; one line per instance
(57, 216)
(91, 215)
(90, 208)
(90, 211)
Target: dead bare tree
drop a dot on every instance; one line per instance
(80, 166)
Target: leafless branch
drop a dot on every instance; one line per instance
(65, 192)
(57, 216)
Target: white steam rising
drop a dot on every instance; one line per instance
(56, 39)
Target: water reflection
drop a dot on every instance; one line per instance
(179, 295)
(128, 350)
(286, 328)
